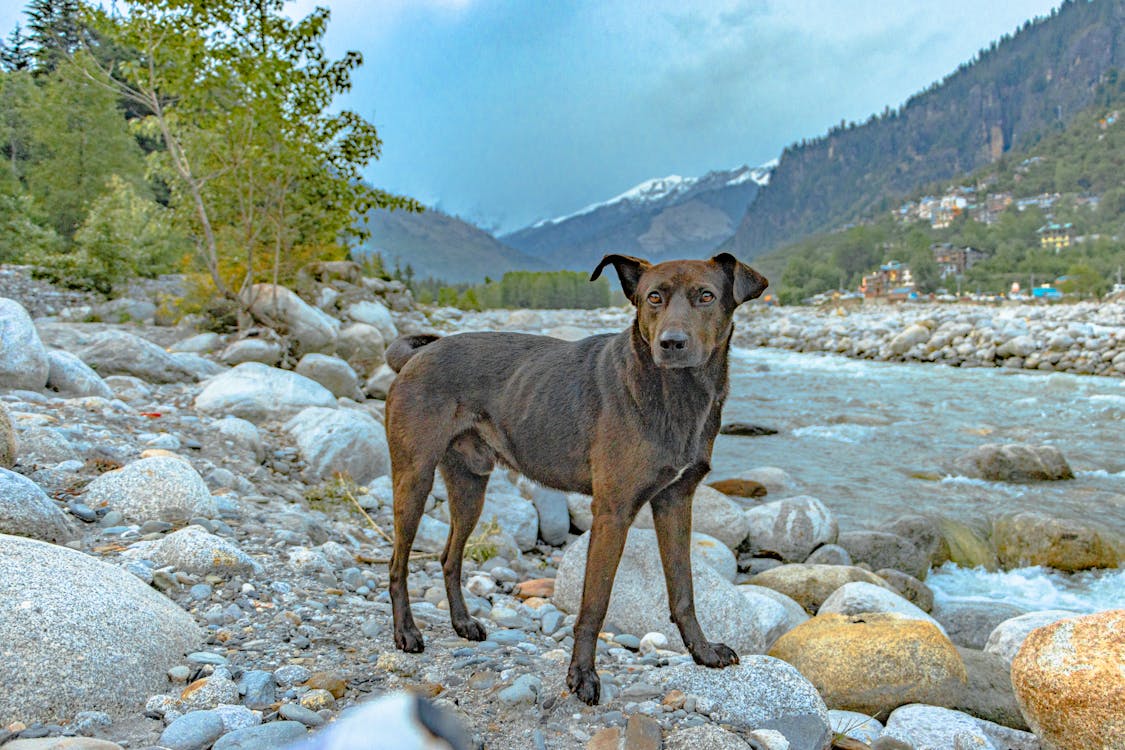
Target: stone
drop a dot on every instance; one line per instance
(810, 585)
(1014, 463)
(988, 695)
(554, 515)
(25, 510)
(1070, 684)
(858, 726)
(242, 435)
(340, 441)
(739, 487)
(776, 481)
(260, 393)
(121, 353)
(879, 549)
(201, 368)
(911, 336)
(639, 601)
(1006, 738)
(581, 512)
(1007, 637)
(9, 444)
(934, 728)
(258, 689)
(363, 346)
(924, 533)
(23, 358)
(703, 737)
(514, 515)
(252, 349)
(201, 343)
(969, 623)
(72, 377)
(759, 693)
(1029, 538)
(45, 445)
(968, 546)
(331, 372)
(431, 535)
(380, 382)
(874, 662)
(829, 554)
(859, 597)
(307, 328)
(374, 314)
(163, 488)
(62, 743)
(77, 632)
(913, 590)
(795, 613)
(269, 736)
(195, 730)
(195, 550)
(712, 513)
(716, 554)
(524, 691)
(297, 712)
(790, 529)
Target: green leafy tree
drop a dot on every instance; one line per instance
(923, 269)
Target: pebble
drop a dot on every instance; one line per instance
(523, 691)
(291, 674)
(297, 712)
(195, 730)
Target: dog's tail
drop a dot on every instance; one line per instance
(403, 348)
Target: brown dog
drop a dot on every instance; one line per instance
(629, 418)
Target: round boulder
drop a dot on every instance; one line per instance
(25, 510)
(1070, 684)
(1014, 463)
(859, 597)
(874, 662)
(712, 513)
(934, 728)
(331, 372)
(1007, 637)
(162, 488)
(810, 585)
(362, 346)
(77, 633)
(70, 376)
(23, 358)
(791, 529)
(1030, 538)
(309, 329)
(879, 549)
(259, 393)
(341, 441)
(121, 353)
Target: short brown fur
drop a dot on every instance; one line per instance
(629, 418)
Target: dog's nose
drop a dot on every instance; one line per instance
(673, 340)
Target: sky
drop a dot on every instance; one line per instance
(505, 113)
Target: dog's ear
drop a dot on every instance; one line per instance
(629, 270)
(746, 283)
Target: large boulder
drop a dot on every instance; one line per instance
(362, 345)
(712, 513)
(969, 622)
(331, 372)
(163, 488)
(758, 693)
(266, 351)
(309, 329)
(554, 514)
(9, 444)
(1007, 637)
(510, 511)
(70, 376)
(791, 529)
(1070, 684)
(988, 694)
(934, 728)
(639, 602)
(910, 337)
(341, 441)
(25, 510)
(880, 549)
(860, 597)
(373, 314)
(121, 353)
(777, 482)
(1014, 463)
(259, 393)
(873, 663)
(810, 585)
(924, 533)
(23, 358)
(1030, 538)
(967, 545)
(77, 634)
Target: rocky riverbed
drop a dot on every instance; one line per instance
(183, 566)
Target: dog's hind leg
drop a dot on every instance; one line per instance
(466, 485)
(412, 484)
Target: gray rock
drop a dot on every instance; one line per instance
(363, 347)
(9, 444)
(524, 691)
(712, 513)
(121, 353)
(829, 554)
(1014, 463)
(23, 358)
(200, 367)
(252, 350)
(374, 314)
(910, 337)
(1007, 637)
(257, 688)
(25, 510)
(61, 604)
(210, 692)
(913, 590)
(126, 310)
(70, 376)
(336, 441)
(297, 712)
(259, 393)
(195, 550)
(852, 724)
(199, 344)
(924, 534)
(859, 598)
(1006, 738)
(969, 623)
(554, 515)
(703, 737)
(164, 488)
(879, 549)
(934, 728)
(511, 512)
(794, 612)
(45, 445)
(332, 372)
(309, 329)
(236, 717)
(291, 674)
(714, 553)
(639, 602)
(581, 513)
(242, 434)
(776, 481)
(380, 382)
(262, 737)
(431, 535)
(759, 693)
(195, 730)
(988, 694)
(792, 528)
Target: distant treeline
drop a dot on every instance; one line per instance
(527, 289)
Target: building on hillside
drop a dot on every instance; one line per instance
(1055, 235)
(954, 261)
(890, 276)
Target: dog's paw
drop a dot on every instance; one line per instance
(715, 655)
(410, 640)
(585, 684)
(470, 630)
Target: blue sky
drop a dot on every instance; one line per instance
(509, 112)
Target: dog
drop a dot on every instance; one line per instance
(629, 418)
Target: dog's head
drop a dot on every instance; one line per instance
(684, 307)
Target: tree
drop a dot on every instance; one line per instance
(15, 54)
(924, 270)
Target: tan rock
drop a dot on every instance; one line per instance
(873, 663)
(538, 587)
(809, 585)
(1029, 538)
(8, 444)
(1069, 679)
(333, 682)
(739, 487)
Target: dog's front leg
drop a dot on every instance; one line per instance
(671, 515)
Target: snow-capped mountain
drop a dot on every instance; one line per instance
(658, 219)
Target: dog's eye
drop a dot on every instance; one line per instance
(654, 298)
(706, 297)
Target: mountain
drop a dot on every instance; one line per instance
(1024, 87)
(437, 245)
(659, 219)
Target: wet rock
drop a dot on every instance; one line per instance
(810, 585)
(968, 546)
(791, 529)
(121, 353)
(874, 662)
(25, 510)
(331, 372)
(1030, 538)
(62, 603)
(969, 622)
(743, 429)
(72, 377)
(23, 358)
(259, 393)
(879, 549)
(1014, 463)
(1069, 682)
(1007, 637)
(164, 488)
(340, 441)
(933, 728)
(309, 329)
(712, 513)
